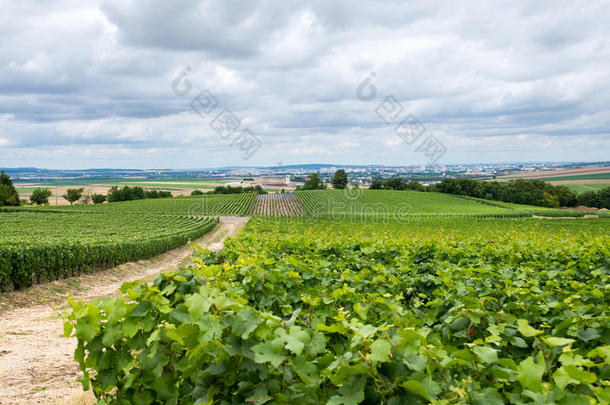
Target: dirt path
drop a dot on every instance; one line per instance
(36, 362)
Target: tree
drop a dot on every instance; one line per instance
(40, 196)
(339, 180)
(314, 183)
(376, 184)
(73, 194)
(197, 192)
(8, 193)
(394, 183)
(86, 198)
(98, 198)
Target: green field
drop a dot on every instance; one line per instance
(592, 176)
(210, 205)
(371, 204)
(581, 188)
(305, 310)
(38, 246)
(168, 185)
(390, 203)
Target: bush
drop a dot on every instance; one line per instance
(73, 195)
(8, 193)
(98, 198)
(40, 196)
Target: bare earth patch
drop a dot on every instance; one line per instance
(36, 361)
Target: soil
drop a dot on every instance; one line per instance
(36, 361)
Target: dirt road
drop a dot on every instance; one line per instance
(36, 362)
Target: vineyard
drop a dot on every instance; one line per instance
(42, 246)
(206, 205)
(440, 309)
(388, 203)
(278, 204)
(374, 205)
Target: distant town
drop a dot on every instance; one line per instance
(357, 174)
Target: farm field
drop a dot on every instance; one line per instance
(278, 204)
(560, 174)
(206, 205)
(578, 177)
(42, 246)
(442, 309)
(583, 185)
(169, 185)
(387, 203)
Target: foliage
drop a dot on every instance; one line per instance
(116, 194)
(73, 194)
(313, 182)
(238, 190)
(599, 199)
(98, 198)
(339, 180)
(40, 196)
(343, 313)
(196, 192)
(37, 246)
(8, 193)
(522, 191)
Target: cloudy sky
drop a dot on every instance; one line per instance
(195, 84)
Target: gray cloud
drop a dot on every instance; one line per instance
(81, 80)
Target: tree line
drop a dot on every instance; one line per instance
(520, 191)
(10, 197)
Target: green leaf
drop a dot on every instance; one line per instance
(198, 304)
(486, 354)
(112, 334)
(416, 387)
(349, 394)
(488, 396)
(264, 352)
(247, 321)
(557, 341)
(129, 328)
(115, 310)
(572, 375)
(68, 328)
(87, 329)
(260, 396)
(525, 329)
(529, 373)
(589, 334)
(380, 350)
(296, 339)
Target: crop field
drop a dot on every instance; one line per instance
(439, 309)
(39, 246)
(168, 185)
(581, 187)
(206, 205)
(278, 204)
(387, 203)
(590, 176)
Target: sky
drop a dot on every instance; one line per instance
(198, 84)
